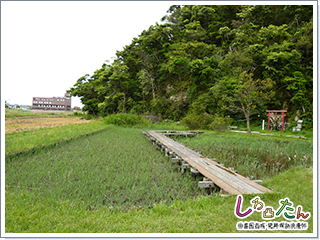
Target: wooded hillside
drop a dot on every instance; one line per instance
(211, 60)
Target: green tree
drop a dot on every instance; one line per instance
(244, 94)
(249, 92)
(85, 89)
(299, 86)
(201, 50)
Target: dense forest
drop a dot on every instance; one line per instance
(204, 61)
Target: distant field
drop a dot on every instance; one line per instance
(13, 113)
(19, 141)
(28, 123)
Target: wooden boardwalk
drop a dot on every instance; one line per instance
(215, 173)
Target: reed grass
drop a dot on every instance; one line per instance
(115, 167)
(253, 156)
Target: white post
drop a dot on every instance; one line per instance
(262, 124)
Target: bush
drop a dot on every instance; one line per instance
(126, 119)
(84, 115)
(197, 121)
(220, 123)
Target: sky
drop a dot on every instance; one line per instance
(47, 46)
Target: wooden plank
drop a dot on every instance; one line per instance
(247, 181)
(224, 181)
(232, 178)
(180, 134)
(183, 152)
(223, 177)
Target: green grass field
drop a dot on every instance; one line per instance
(96, 183)
(17, 142)
(13, 113)
(115, 167)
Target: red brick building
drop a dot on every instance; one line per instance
(53, 103)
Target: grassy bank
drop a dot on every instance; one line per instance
(16, 142)
(28, 212)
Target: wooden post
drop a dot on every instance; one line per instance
(194, 172)
(258, 181)
(176, 159)
(184, 166)
(205, 184)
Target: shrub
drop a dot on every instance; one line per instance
(88, 116)
(197, 121)
(84, 115)
(220, 123)
(126, 119)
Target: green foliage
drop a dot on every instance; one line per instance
(298, 84)
(126, 119)
(220, 123)
(197, 121)
(307, 118)
(199, 117)
(203, 50)
(244, 94)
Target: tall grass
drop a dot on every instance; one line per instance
(28, 212)
(115, 167)
(126, 119)
(254, 156)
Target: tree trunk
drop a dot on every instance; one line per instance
(152, 87)
(248, 123)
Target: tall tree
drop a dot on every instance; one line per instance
(249, 92)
